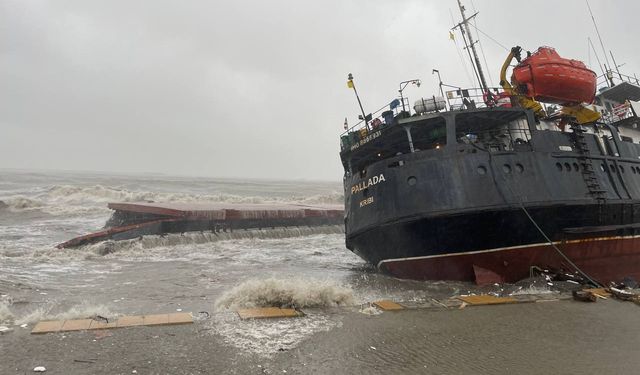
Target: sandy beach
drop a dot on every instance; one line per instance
(564, 337)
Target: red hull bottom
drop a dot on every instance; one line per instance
(604, 259)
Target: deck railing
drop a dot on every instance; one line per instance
(613, 78)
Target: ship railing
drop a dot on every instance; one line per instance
(618, 113)
(475, 97)
(611, 78)
(508, 135)
(385, 116)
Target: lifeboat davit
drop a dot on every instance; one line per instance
(549, 78)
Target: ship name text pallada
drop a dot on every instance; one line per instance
(365, 184)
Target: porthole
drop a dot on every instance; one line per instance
(567, 166)
(633, 169)
(412, 180)
(602, 167)
(576, 167)
(519, 168)
(506, 168)
(482, 170)
(559, 166)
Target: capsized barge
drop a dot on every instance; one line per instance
(135, 219)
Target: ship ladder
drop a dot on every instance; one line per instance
(588, 173)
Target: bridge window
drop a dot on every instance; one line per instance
(430, 135)
(493, 130)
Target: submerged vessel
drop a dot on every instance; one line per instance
(543, 171)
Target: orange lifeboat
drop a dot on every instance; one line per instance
(547, 77)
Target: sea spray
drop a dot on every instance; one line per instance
(20, 203)
(6, 316)
(194, 238)
(267, 337)
(84, 310)
(69, 199)
(296, 293)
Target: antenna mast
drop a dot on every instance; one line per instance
(465, 22)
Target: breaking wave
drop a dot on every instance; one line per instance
(19, 203)
(6, 316)
(194, 238)
(68, 199)
(295, 293)
(84, 310)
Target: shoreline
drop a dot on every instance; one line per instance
(529, 338)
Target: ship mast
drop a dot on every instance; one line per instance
(472, 44)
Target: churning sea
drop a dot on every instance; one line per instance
(199, 273)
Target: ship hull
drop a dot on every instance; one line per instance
(503, 245)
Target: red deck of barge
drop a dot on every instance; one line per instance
(225, 211)
(131, 220)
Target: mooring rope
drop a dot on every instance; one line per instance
(522, 206)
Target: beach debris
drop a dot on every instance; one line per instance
(39, 369)
(584, 296)
(4, 329)
(91, 360)
(124, 321)
(601, 293)
(485, 299)
(388, 305)
(268, 312)
(552, 274)
(23, 325)
(630, 282)
(623, 295)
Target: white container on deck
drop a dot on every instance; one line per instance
(431, 104)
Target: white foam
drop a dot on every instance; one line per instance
(140, 245)
(68, 199)
(266, 337)
(370, 310)
(533, 290)
(297, 293)
(83, 310)
(22, 203)
(6, 316)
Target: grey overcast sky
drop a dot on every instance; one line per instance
(245, 88)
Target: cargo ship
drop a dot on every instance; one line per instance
(490, 183)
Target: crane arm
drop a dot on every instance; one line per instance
(523, 100)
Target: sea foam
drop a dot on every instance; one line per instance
(296, 293)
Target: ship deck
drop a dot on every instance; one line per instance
(135, 219)
(225, 211)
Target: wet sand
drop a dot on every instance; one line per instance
(564, 337)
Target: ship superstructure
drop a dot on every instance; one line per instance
(542, 171)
